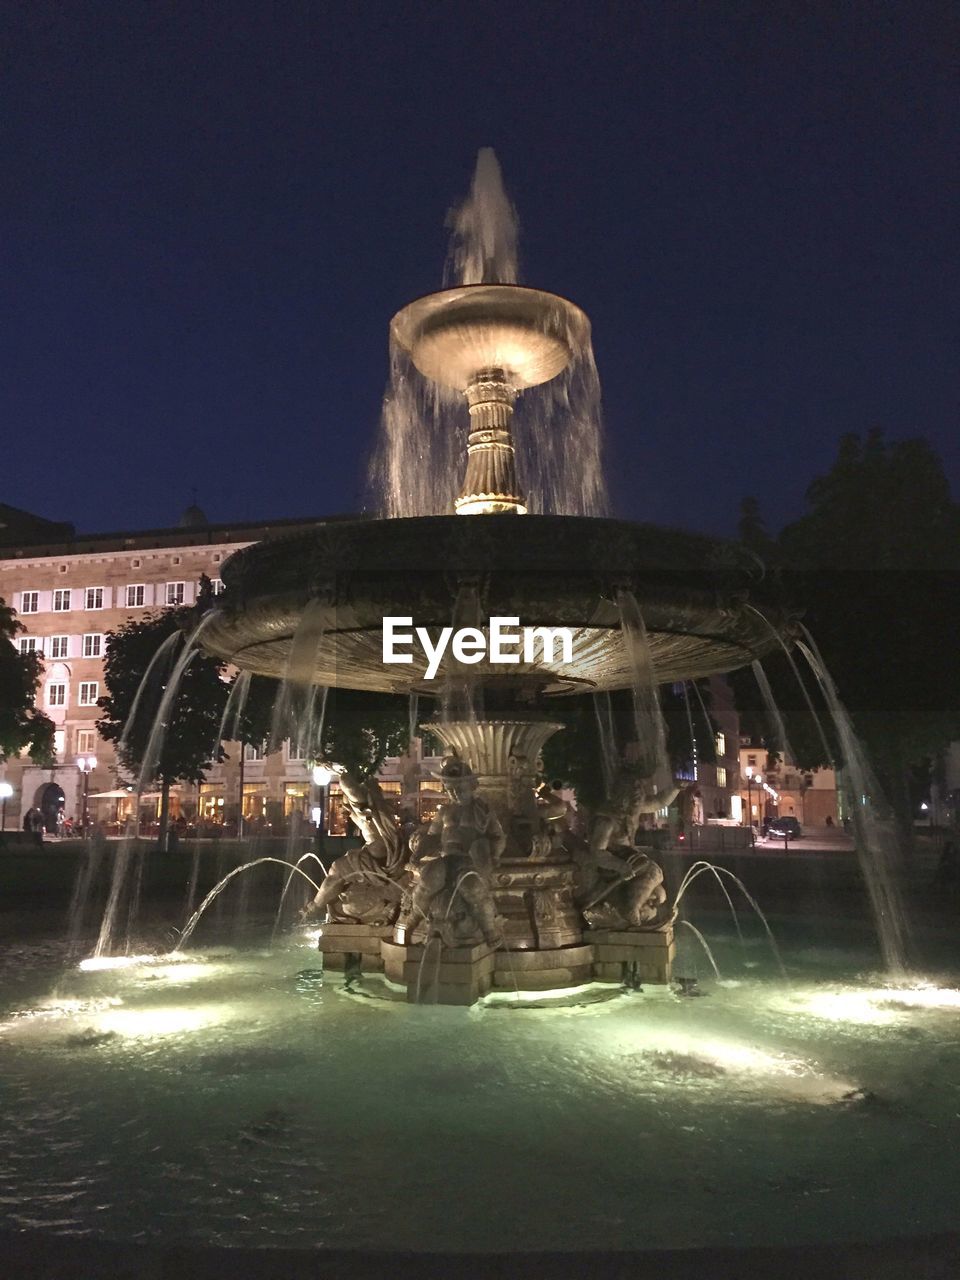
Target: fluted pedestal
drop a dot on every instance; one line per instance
(490, 484)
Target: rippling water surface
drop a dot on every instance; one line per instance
(233, 1096)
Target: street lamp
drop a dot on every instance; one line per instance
(322, 777)
(749, 772)
(6, 791)
(86, 765)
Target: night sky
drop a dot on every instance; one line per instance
(209, 213)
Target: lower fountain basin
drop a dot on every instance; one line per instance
(441, 571)
(215, 1087)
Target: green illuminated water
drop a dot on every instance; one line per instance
(226, 1099)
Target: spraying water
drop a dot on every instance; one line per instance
(483, 246)
(419, 457)
(651, 734)
(774, 718)
(609, 757)
(701, 868)
(704, 944)
(878, 846)
(221, 884)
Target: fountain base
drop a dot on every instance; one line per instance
(432, 974)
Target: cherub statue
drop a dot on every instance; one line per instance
(364, 884)
(453, 862)
(618, 885)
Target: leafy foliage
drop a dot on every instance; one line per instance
(874, 568)
(189, 746)
(355, 728)
(22, 726)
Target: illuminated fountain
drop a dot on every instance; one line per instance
(510, 897)
(237, 1099)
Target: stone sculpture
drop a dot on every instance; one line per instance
(452, 865)
(618, 885)
(365, 884)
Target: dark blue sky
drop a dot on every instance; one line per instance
(209, 213)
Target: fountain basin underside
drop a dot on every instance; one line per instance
(442, 571)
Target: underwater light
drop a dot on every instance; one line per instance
(169, 1020)
(876, 1006)
(94, 964)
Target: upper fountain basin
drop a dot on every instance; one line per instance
(334, 585)
(455, 335)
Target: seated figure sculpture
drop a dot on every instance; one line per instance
(453, 862)
(618, 885)
(364, 884)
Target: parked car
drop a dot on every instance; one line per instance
(780, 827)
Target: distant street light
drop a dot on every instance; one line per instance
(6, 791)
(86, 765)
(322, 777)
(749, 772)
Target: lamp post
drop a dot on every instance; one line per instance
(6, 791)
(86, 765)
(322, 777)
(749, 772)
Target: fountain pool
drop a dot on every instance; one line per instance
(234, 1097)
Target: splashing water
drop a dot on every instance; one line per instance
(128, 864)
(878, 845)
(651, 735)
(774, 718)
(701, 868)
(704, 944)
(418, 460)
(221, 884)
(609, 757)
(483, 246)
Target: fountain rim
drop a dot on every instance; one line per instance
(412, 323)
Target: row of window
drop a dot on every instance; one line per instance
(88, 693)
(134, 596)
(91, 645)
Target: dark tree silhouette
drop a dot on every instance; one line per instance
(188, 746)
(22, 726)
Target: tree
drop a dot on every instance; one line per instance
(22, 726)
(873, 567)
(147, 653)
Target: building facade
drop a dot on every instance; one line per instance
(69, 591)
(779, 789)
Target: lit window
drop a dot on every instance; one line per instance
(29, 601)
(175, 592)
(721, 741)
(56, 695)
(59, 743)
(61, 600)
(58, 646)
(27, 644)
(217, 586)
(86, 741)
(89, 693)
(721, 776)
(135, 595)
(253, 752)
(296, 751)
(91, 646)
(93, 598)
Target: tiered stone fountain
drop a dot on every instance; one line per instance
(496, 891)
